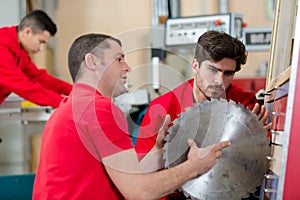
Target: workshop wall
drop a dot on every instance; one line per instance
(117, 18)
(256, 14)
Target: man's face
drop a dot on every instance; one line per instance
(34, 43)
(212, 79)
(114, 76)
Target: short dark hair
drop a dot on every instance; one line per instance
(88, 43)
(38, 21)
(215, 46)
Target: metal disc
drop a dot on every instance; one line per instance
(242, 166)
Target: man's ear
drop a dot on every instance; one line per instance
(89, 61)
(26, 31)
(195, 66)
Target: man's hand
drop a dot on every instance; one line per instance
(205, 158)
(153, 160)
(262, 114)
(160, 140)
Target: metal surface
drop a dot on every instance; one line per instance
(242, 166)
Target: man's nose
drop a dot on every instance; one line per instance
(127, 67)
(219, 78)
(41, 47)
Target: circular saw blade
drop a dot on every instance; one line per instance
(242, 166)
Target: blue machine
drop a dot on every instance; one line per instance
(16, 187)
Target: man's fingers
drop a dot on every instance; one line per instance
(223, 144)
(219, 154)
(191, 142)
(218, 146)
(264, 114)
(261, 112)
(256, 109)
(268, 126)
(163, 132)
(166, 123)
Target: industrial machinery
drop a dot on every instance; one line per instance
(186, 30)
(20, 123)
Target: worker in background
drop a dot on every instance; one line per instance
(218, 56)
(86, 151)
(18, 74)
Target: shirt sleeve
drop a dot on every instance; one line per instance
(113, 124)
(101, 126)
(48, 81)
(247, 99)
(24, 82)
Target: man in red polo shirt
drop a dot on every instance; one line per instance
(18, 73)
(217, 57)
(86, 151)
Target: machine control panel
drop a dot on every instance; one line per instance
(186, 30)
(257, 38)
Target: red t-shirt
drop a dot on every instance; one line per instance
(174, 103)
(84, 129)
(20, 75)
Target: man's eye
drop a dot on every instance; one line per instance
(213, 69)
(120, 60)
(229, 73)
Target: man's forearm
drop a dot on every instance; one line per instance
(152, 161)
(158, 184)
